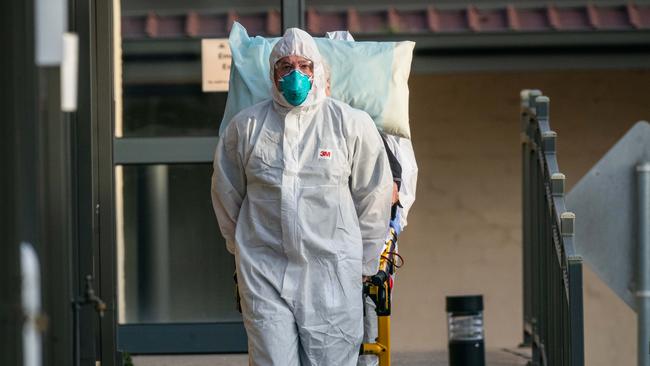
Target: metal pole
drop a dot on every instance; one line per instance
(293, 14)
(76, 346)
(31, 301)
(154, 249)
(526, 291)
(643, 292)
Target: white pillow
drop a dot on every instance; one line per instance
(371, 76)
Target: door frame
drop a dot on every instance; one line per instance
(107, 152)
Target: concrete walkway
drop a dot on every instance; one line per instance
(510, 357)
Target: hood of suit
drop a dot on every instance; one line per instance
(297, 42)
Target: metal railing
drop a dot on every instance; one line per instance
(552, 271)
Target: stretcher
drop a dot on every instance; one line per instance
(379, 288)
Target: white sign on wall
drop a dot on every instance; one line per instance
(215, 64)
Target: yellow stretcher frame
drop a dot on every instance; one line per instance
(381, 348)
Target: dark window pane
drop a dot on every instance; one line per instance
(171, 110)
(176, 267)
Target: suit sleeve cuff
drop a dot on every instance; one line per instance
(370, 267)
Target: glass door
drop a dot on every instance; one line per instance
(175, 291)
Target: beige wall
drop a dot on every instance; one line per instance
(464, 233)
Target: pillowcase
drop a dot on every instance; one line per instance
(371, 76)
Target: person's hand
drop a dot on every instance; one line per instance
(395, 197)
(365, 279)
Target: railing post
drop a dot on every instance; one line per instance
(525, 217)
(567, 219)
(549, 141)
(643, 290)
(557, 186)
(533, 94)
(542, 106)
(528, 97)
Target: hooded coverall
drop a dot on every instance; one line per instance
(301, 195)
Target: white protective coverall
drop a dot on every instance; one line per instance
(302, 195)
(403, 151)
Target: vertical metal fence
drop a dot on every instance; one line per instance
(552, 271)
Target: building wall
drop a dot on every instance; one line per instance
(464, 233)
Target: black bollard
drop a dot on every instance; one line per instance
(465, 327)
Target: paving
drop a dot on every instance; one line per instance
(501, 357)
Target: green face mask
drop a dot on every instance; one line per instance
(295, 87)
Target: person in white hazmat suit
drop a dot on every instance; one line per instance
(301, 189)
(404, 188)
